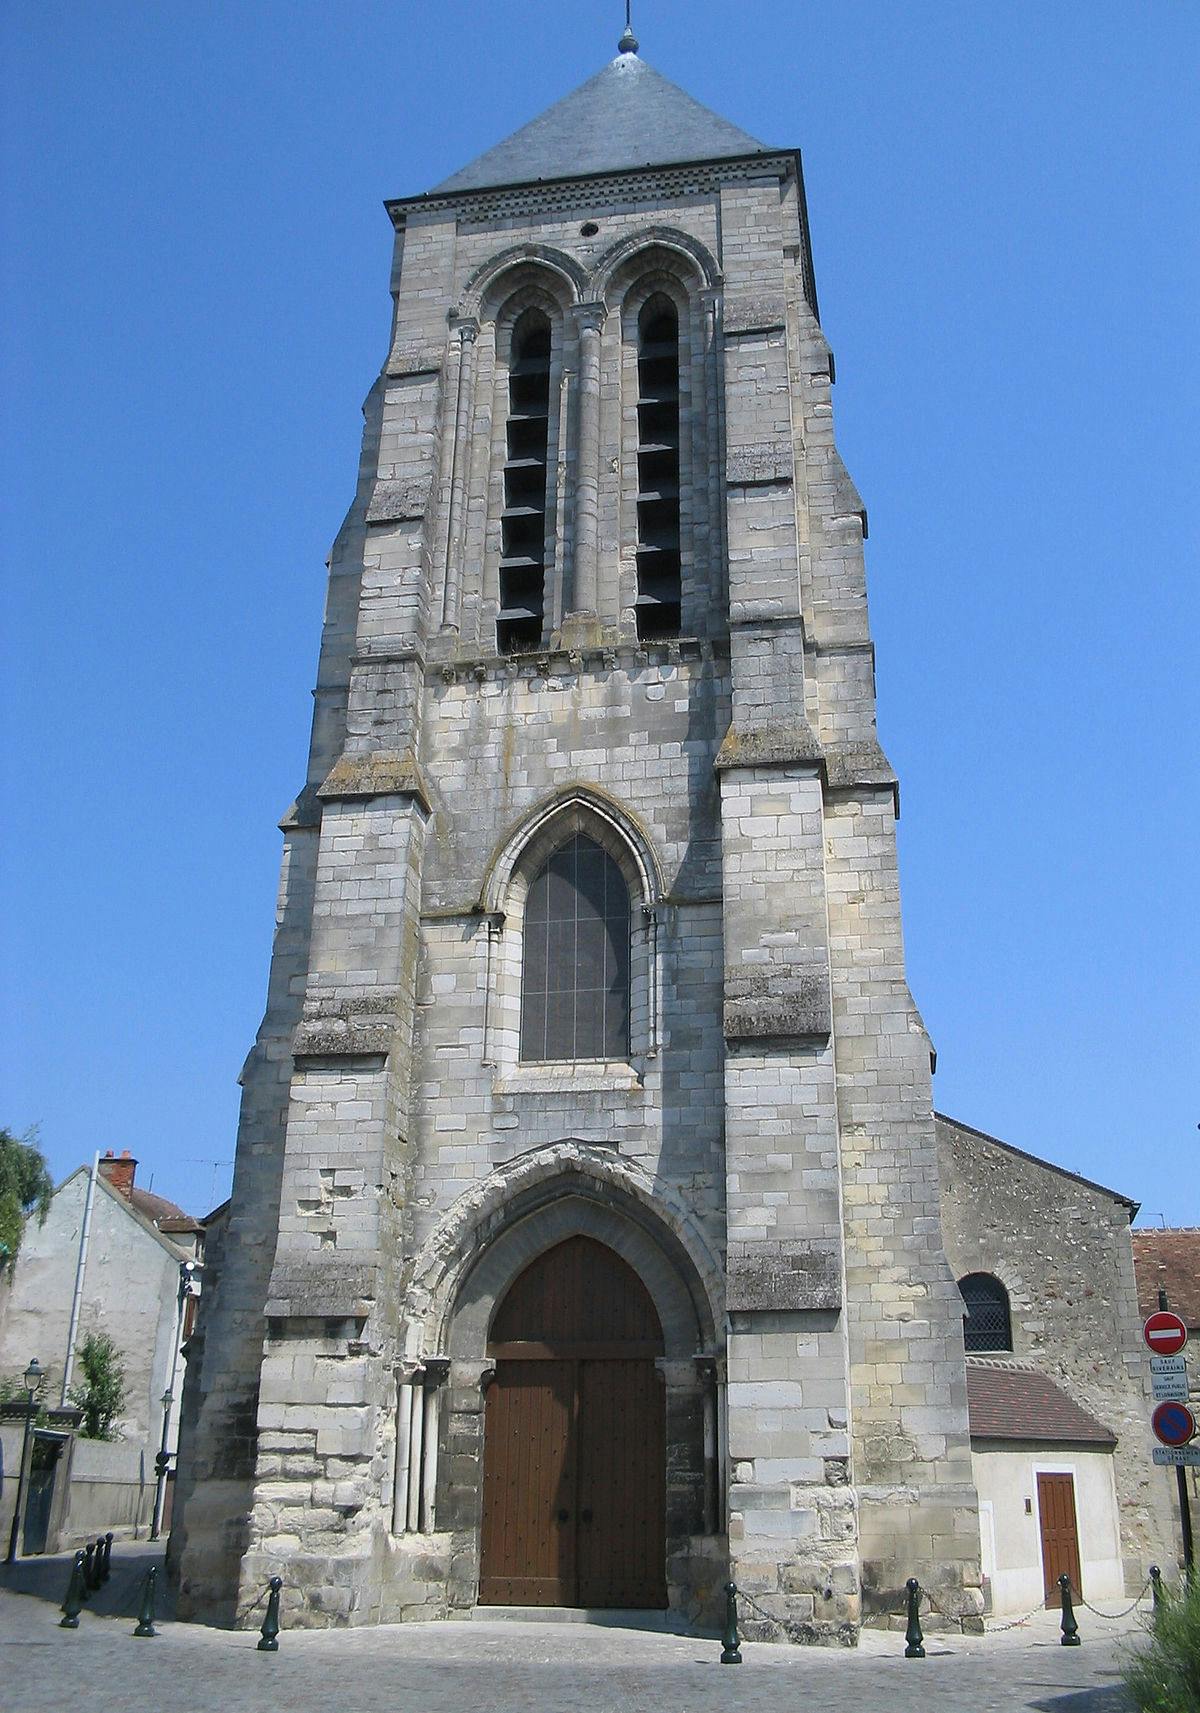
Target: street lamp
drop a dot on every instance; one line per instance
(32, 1379)
(162, 1462)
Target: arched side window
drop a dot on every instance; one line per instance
(988, 1324)
(575, 985)
(523, 520)
(659, 574)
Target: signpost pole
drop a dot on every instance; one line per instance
(1185, 1504)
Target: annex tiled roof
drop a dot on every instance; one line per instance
(628, 115)
(1010, 1400)
(1171, 1259)
(161, 1212)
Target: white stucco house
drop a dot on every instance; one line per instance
(110, 1258)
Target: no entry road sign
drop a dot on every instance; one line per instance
(1173, 1424)
(1165, 1333)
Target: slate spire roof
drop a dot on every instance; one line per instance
(627, 115)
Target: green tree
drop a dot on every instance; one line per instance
(101, 1397)
(1165, 1676)
(25, 1188)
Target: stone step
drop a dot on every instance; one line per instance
(613, 1617)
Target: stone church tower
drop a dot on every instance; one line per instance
(584, 1243)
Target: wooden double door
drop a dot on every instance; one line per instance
(574, 1472)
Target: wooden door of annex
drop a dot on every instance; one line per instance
(574, 1470)
(1060, 1536)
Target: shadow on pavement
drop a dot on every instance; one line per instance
(45, 1577)
(1111, 1700)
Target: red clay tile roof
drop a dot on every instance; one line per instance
(1010, 1401)
(161, 1212)
(1171, 1259)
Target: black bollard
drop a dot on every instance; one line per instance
(145, 1623)
(912, 1635)
(1156, 1593)
(73, 1599)
(269, 1642)
(106, 1568)
(97, 1580)
(731, 1652)
(1070, 1629)
(89, 1552)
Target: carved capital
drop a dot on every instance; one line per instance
(590, 317)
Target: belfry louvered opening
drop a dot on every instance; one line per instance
(523, 521)
(658, 604)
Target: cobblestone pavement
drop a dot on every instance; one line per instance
(490, 1667)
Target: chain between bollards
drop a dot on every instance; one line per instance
(731, 1652)
(269, 1642)
(145, 1623)
(1070, 1629)
(73, 1599)
(913, 1637)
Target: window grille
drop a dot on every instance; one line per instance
(988, 1325)
(575, 980)
(659, 591)
(523, 521)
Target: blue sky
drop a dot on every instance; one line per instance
(195, 303)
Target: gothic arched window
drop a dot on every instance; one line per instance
(523, 520)
(575, 978)
(659, 575)
(988, 1324)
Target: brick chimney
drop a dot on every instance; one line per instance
(119, 1172)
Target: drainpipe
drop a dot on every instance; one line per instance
(80, 1267)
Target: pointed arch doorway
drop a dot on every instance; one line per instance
(574, 1463)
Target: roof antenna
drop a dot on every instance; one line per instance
(628, 43)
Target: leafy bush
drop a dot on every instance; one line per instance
(25, 1188)
(1164, 1677)
(102, 1394)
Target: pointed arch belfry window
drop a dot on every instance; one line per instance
(523, 520)
(575, 977)
(659, 573)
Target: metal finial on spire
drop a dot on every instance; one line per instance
(628, 43)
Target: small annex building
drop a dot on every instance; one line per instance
(1057, 1376)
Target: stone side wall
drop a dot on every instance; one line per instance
(1061, 1247)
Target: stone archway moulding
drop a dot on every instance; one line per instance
(592, 803)
(480, 290)
(688, 258)
(509, 1195)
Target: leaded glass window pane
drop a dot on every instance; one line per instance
(987, 1325)
(575, 982)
